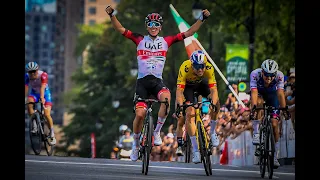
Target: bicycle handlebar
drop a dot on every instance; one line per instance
(34, 103)
(195, 105)
(155, 101)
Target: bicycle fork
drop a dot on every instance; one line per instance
(203, 130)
(38, 121)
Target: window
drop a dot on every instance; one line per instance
(36, 19)
(52, 45)
(92, 22)
(36, 29)
(36, 55)
(45, 45)
(92, 10)
(28, 17)
(44, 54)
(53, 19)
(45, 18)
(35, 38)
(45, 63)
(44, 28)
(27, 37)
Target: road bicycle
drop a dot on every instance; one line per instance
(201, 134)
(42, 130)
(267, 143)
(146, 137)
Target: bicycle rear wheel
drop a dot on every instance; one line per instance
(187, 145)
(203, 150)
(270, 154)
(49, 148)
(262, 154)
(35, 138)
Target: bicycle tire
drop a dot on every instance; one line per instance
(149, 144)
(270, 152)
(141, 151)
(49, 148)
(35, 144)
(262, 155)
(144, 137)
(187, 153)
(202, 148)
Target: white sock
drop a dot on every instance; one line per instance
(194, 143)
(52, 132)
(276, 147)
(160, 123)
(136, 139)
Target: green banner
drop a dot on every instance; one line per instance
(237, 62)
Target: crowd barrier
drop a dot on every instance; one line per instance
(241, 151)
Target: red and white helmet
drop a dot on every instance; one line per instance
(153, 17)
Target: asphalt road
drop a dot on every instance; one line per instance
(73, 168)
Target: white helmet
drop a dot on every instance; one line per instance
(269, 66)
(31, 66)
(123, 128)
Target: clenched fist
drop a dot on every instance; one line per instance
(109, 10)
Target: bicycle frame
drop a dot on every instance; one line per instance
(199, 120)
(38, 113)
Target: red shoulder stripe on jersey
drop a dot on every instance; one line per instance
(181, 86)
(212, 85)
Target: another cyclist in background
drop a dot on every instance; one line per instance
(151, 56)
(267, 84)
(192, 77)
(37, 80)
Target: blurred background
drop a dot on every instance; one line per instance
(92, 68)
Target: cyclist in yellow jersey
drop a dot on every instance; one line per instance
(195, 74)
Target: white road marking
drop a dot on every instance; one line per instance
(163, 167)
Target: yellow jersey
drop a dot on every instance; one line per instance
(186, 75)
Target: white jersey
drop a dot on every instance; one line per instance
(151, 54)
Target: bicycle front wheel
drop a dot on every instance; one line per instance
(35, 133)
(148, 145)
(187, 145)
(203, 149)
(270, 155)
(262, 154)
(49, 148)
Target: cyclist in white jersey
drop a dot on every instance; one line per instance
(267, 84)
(151, 57)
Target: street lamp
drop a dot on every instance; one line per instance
(134, 71)
(115, 103)
(98, 124)
(196, 9)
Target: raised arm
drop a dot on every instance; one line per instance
(114, 21)
(195, 27)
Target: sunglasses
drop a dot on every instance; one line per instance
(198, 66)
(269, 74)
(153, 23)
(30, 72)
